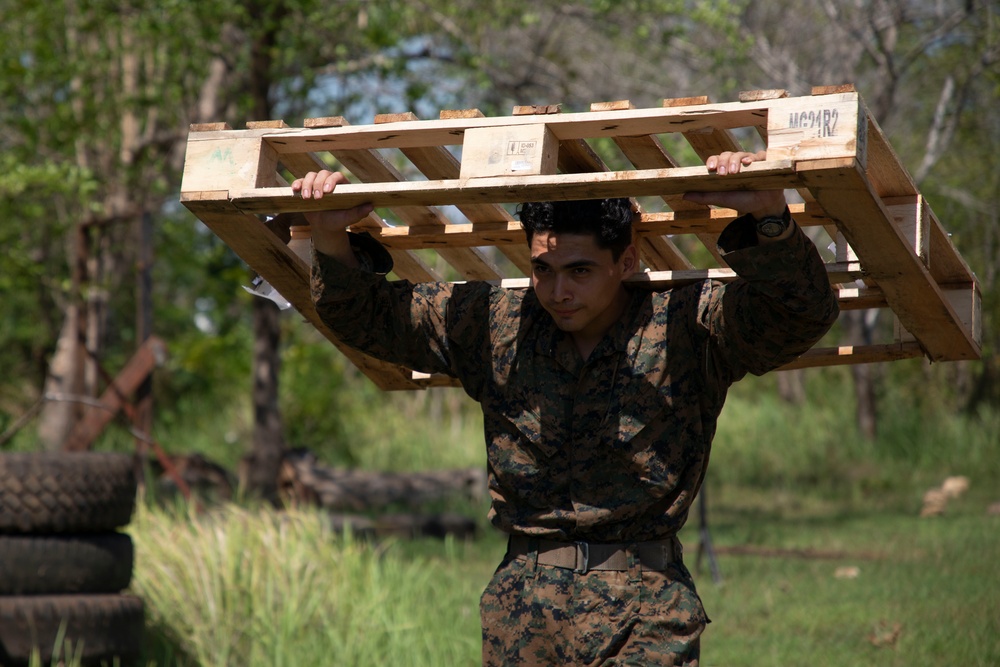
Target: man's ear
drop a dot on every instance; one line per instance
(629, 261)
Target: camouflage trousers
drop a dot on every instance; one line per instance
(542, 615)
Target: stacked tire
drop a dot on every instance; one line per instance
(63, 561)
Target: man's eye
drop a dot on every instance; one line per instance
(581, 271)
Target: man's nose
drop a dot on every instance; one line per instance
(561, 289)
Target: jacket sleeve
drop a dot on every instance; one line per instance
(398, 321)
(779, 307)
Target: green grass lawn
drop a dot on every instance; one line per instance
(926, 591)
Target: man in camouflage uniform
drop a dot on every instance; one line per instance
(600, 402)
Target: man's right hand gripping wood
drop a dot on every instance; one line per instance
(329, 228)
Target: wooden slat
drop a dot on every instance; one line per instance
(459, 114)
(707, 141)
(536, 109)
(647, 152)
(710, 221)
(947, 266)
(581, 125)
(371, 167)
(882, 166)
(438, 163)
(847, 196)
(405, 264)
(833, 90)
(662, 280)
(646, 182)
(266, 124)
(759, 95)
(860, 354)
(577, 157)
(299, 164)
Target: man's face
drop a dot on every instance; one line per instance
(579, 283)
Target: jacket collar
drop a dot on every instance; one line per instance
(550, 341)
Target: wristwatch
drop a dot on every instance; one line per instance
(774, 225)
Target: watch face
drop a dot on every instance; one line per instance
(771, 227)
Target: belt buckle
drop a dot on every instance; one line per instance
(582, 550)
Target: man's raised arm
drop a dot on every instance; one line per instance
(329, 228)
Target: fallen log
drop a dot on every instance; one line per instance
(303, 479)
(405, 526)
(353, 499)
(205, 478)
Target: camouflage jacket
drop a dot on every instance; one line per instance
(609, 449)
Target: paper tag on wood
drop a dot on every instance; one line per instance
(512, 150)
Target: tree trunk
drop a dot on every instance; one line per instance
(143, 420)
(259, 473)
(791, 387)
(867, 412)
(859, 326)
(64, 381)
(95, 256)
(260, 469)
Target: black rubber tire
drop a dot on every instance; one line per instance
(99, 627)
(53, 564)
(65, 492)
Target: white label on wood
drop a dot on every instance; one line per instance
(527, 150)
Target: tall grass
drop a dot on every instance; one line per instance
(252, 587)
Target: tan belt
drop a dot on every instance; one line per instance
(582, 557)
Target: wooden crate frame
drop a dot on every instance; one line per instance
(891, 252)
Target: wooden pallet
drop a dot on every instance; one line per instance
(891, 252)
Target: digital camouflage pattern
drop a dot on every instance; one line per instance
(614, 448)
(608, 450)
(538, 616)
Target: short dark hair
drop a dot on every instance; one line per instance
(609, 221)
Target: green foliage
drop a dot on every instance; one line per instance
(255, 587)
(34, 277)
(765, 443)
(333, 410)
(316, 395)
